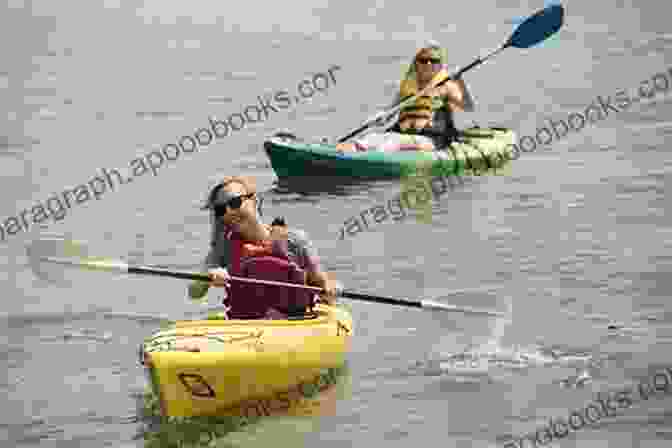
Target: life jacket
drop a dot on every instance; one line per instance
(420, 114)
(265, 260)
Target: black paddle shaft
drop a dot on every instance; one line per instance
(476, 63)
(168, 273)
(206, 278)
(147, 270)
(347, 294)
(378, 299)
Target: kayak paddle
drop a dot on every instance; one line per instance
(45, 253)
(532, 31)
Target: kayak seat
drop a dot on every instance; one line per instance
(256, 301)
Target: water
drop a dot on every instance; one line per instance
(575, 237)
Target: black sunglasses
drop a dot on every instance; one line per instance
(234, 203)
(433, 61)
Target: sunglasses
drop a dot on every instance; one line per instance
(432, 61)
(234, 203)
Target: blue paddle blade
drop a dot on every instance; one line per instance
(550, 41)
(538, 27)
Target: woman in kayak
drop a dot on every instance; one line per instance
(427, 122)
(242, 245)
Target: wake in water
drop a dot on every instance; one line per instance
(493, 359)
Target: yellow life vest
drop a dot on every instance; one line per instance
(418, 114)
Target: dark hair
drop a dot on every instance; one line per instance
(247, 183)
(211, 196)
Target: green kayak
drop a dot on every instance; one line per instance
(476, 150)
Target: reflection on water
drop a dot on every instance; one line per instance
(325, 185)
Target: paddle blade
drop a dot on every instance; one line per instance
(432, 305)
(53, 257)
(538, 27)
(52, 246)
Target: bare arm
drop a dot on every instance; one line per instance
(218, 256)
(315, 276)
(458, 96)
(453, 91)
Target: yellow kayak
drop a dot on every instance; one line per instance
(246, 368)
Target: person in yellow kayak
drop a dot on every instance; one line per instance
(427, 123)
(241, 245)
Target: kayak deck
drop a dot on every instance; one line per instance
(479, 150)
(213, 367)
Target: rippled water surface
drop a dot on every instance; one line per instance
(573, 239)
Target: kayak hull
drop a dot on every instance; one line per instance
(245, 368)
(478, 150)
